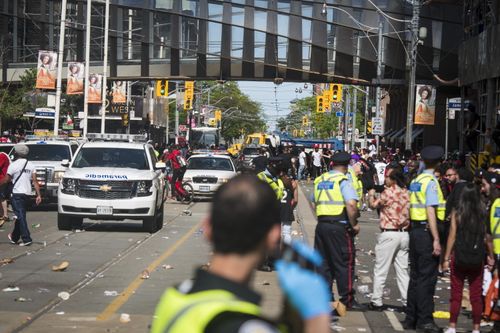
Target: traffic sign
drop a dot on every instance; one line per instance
(456, 103)
(377, 126)
(339, 114)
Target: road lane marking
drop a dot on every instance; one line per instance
(394, 321)
(123, 297)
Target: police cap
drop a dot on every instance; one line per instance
(341, 158)
(432, 153)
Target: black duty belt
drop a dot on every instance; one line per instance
(332, 220)
(419, 224)
(393, 230)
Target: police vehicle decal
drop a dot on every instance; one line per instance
(96, 176)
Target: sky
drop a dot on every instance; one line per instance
(263, 92)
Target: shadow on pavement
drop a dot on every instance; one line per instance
(135, 226)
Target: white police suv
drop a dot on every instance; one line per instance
(112, 180)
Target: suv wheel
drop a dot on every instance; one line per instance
(68, 222)
(149, 224)
(159, 218)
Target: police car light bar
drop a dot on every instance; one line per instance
(117, 137)
(33, 137)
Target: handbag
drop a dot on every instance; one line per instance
(10, 186)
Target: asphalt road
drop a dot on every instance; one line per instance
(116, 269)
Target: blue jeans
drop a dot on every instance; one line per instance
(300, 175)
(18, 202)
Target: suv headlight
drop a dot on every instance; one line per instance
(68, 186)
(222, 180)
(144, 188)
(58, 175)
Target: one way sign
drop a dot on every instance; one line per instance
(377, 126)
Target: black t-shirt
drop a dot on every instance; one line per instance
(232, 322)
(286, 210)
(260, 163)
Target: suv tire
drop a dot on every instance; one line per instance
(64, 222)
(159, 217)
(149, 224)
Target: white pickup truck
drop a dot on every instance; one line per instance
(112, 181)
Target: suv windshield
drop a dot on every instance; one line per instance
(209, 163)
(251, 151)
(46, 152)
(111, 158)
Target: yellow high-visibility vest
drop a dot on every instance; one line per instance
(327, 195)
(418, 187)
(181, 313)
(358, 186)
(277, 186)
(495, 225)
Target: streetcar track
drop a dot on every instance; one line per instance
(96, 273)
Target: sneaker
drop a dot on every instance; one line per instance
(373, 307)
(25, 243)
(10, 239)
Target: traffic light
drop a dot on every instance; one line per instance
(212, 122)
(305, 121)
(161, 88)
(327, 99)
(125, 119)
(188, 95)
(369, 127)
(336, 92)
(320, 107)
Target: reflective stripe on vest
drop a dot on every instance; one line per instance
(278, 187)
(418, 188)
(357, 185)
(180, 313)
(327, 195)
(495, 225)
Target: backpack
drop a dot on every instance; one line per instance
(469, 252)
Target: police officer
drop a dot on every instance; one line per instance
(271, 176)
(427, 206)
(244, 225)
(336, 207)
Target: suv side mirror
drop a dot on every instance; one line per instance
(160, 165)
(65, 163)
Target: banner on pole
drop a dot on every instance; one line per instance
(76, 73)
(46, 70)
(94, 91)
(425, 105)
(119, 92)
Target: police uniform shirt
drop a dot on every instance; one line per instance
(431, 193)
(346, 188)
(231, 322)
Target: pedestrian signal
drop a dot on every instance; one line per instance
(369, 127)
(218, 115)
(188, 95)
(320, 106)
(125, 119)
(161, 88)
(336, 92)
(305, 121)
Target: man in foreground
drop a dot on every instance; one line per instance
(243, 227)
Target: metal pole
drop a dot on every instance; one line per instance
(87, 69)
(366, 114)
(378, 95)
(176, 129)
(446, 130)
(130, 26)
(413, 58)
(59, 66)
(105, 69)
(461, 121)
(346, 120)
(354, 110)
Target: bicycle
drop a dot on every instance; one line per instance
(184, 190)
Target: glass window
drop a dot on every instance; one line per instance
(209, 163)
(260, 20)
(214, 38)
(237, 42)
(46, 152)
(283, 25)
(111, 158)
(238, 17)
(260, 45)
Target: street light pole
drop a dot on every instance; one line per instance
(354, 110)
(60, 57)
(378, 95)
(87, 69)
(105, 69)
(413, 65)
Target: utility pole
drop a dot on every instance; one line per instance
(413, 69)
(176, 129)
(87, 69)
(346, 119)
(60, 57)
(105, 69)
(354, 110)
(378, 95)
(366, 115)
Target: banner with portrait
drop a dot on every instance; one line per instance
(95, 87)
(425, 105)
(46, 70)
(119, 92)
(76, 74)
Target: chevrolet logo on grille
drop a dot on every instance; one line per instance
(105, 188)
